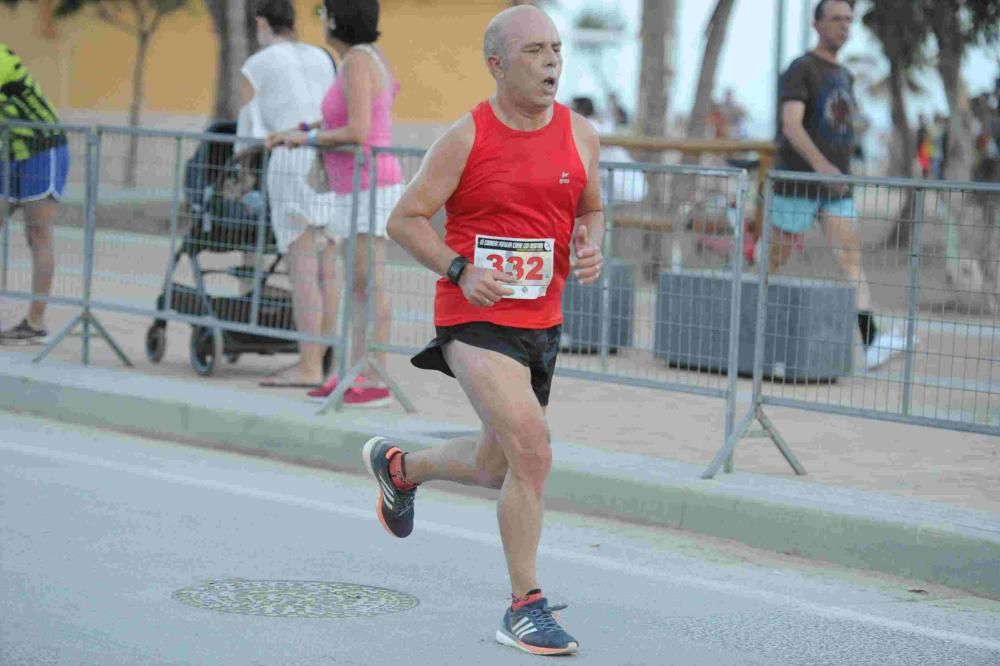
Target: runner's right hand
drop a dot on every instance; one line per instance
(484, 286)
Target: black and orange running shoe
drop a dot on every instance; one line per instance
(395, 507)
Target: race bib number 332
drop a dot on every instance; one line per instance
(530, 261)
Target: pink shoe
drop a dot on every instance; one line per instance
(325, 390)
(373, 396)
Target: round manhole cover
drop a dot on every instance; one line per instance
(290, 598)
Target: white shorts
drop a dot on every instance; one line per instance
(340, 224)
(294, 205)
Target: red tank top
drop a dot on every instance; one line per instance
(516, 185)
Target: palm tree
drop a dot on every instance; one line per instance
(715, 38)
(656, 71)
(656, 74)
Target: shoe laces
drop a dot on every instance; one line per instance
(543, 617)
(404, 500)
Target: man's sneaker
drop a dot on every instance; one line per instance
(533, 628)
(24, 334)
(394, 507)
(884, 348)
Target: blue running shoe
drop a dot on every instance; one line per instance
(534, 629)
(395, 507)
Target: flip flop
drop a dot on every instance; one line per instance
(278, 383)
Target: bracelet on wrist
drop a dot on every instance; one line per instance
(311, 137)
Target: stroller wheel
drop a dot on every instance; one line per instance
(156, 342)
(205, 344)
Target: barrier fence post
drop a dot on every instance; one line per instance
(345, 373)
(756, 410)
(168, 287)
(913, 294)
(736, 297)
(605, 285)
(258, 251)
(366, 362)
(5, 211)
(86, 317)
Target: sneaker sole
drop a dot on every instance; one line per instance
(509, 641)
(24, 343)
(366, 453)
(381, 402)
(892, 355)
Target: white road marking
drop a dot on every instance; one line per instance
(597, 562)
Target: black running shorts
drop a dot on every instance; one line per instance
(536, 349)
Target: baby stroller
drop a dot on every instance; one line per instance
(223, 209)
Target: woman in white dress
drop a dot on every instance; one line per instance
(283, 86)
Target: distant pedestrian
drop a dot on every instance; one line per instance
(33, 177)
(817, 134)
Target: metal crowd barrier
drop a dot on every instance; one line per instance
(184, 232)
(931, 279)
(181, 234)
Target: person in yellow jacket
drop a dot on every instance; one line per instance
(34, 164)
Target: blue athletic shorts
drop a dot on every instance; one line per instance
(42, 175)
(795, 215)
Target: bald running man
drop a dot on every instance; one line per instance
(519, 181)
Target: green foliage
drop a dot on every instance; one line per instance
(68, 7)
(902, 27)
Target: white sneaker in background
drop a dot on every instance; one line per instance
(886, 347)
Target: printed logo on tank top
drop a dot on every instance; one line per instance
(564, 178)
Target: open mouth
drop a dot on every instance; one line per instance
(549, 83)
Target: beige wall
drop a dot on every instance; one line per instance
(86, 69)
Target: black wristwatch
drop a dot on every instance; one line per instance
(455, 269)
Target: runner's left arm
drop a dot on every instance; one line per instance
(588, 231)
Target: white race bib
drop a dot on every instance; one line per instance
(530, 261)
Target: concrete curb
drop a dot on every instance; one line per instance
(911, 538)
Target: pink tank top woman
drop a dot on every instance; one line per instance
(340, 165)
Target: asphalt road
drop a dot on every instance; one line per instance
(124, 550)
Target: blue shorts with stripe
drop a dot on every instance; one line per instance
(795, 215)
(40, 176)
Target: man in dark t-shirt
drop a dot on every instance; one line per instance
(817, 120)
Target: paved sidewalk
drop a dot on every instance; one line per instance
(926, 463)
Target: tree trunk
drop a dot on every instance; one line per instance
(959, 151)
(224, 102)
(656, 65)
(716, 38)
(965, 265)
(655, 78)
(684, 186)
(233, 23)
(142, 39)
(901, 154)
(902, 164)
(239, 50)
